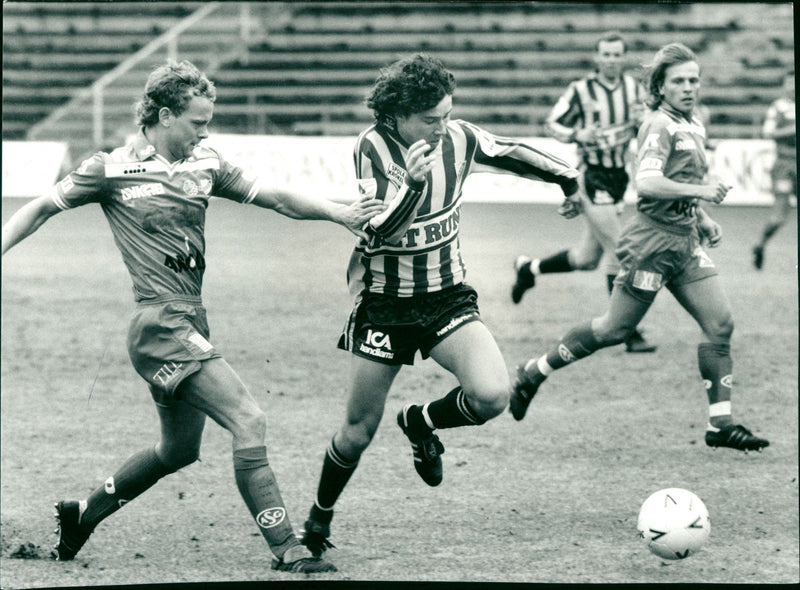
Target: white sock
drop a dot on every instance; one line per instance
(426, 417)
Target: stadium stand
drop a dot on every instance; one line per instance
(307, 66)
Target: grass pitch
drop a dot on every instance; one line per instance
(551, 499)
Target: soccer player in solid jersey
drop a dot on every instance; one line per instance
(663, 246)
(154, 193)
(779, 126)
(408, 277)
(600, 113)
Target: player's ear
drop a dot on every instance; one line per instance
(165, 116)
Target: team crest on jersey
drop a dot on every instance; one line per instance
(460, 173)
(395, 174)
(190, 188)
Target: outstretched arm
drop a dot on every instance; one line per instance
(661, 187)
(296, 205)
(27, 220)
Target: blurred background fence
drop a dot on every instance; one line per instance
(73, 70)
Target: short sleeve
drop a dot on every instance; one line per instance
(85, 184)
(655, 145)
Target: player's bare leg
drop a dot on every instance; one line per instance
(707, 303)
(472, 356)
(181, 435)
(780, 213)
(217, 391)
(370, 382)
(623, 315)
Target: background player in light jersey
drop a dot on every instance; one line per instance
(779, 126)
(154, 193)
(600, 113)
(661, 246)
(407, 278)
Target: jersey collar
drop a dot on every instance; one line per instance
(599, 79)
(675, 113)
(142, 147)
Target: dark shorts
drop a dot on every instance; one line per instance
(167, 340)
(605, 186)
(784, 177)
(390, 330)
(651, 256)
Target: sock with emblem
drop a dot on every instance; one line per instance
(136, 475)
(259, 489)
(716, 369)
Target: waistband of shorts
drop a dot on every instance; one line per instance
(160, 299)
(427, 295)
(602, 168)
(678, 230)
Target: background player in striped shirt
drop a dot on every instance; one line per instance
(600, 113)
(662, 246)
(154, 193)
(779, 126)
(408, 277)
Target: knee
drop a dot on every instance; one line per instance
(491, 400)
(177, 456)
(585, 263)
(356, 435)
(250, 429)
(611, 334)
(721, 329)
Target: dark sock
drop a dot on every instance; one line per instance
(578, 343)
(259, 489)
(452, 411)
(769, 231)
(136, 475)
(556, 263)
(716, 369)
(336, 472)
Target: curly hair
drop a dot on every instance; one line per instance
(653, 75)
(172, 85)
(410, 85)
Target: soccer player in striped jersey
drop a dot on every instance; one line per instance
(408, 277)
(662, 245)
(779, 126)
(600, 113)
(154, 193)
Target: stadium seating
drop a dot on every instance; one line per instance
(309, 65)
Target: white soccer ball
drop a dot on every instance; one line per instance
(674, 523)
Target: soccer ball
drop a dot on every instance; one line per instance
(674, 523)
